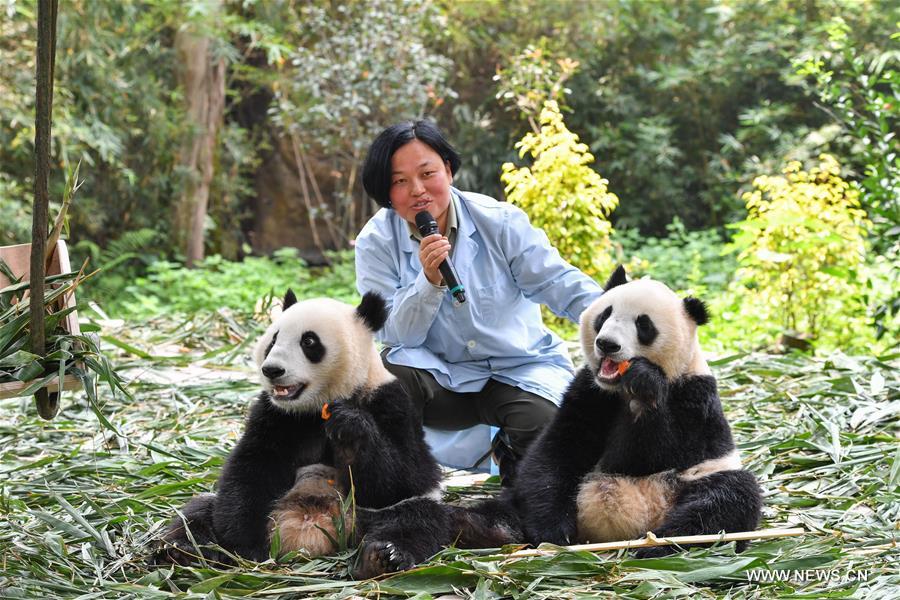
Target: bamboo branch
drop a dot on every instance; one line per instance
(71, 187)
(651, 540)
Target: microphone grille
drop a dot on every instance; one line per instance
(424, 219)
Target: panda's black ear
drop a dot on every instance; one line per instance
(372, 310)
(696, 308)
(289, 299)
(617, 278)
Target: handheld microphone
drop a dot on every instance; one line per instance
(428, 226)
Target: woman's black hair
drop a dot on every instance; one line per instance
(376, 173)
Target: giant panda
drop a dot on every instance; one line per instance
(326, 399)
(640, 442)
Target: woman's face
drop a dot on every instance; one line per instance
(420, 180)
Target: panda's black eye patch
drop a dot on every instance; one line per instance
(602, 317)
(646, 330)
(312, 347)
(271, 344)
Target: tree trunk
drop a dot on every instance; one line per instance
(202, 77)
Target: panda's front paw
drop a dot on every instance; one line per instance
(377, 558)
(552, 531)
(348, 427)
(645, 382)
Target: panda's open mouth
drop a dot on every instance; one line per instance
(610, 370)
(288, 392)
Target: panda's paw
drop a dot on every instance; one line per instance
(173, 554)
(377, 558)
(645, 382)
(348, 426)
(186, 554)
(561, 533)
(655, 552)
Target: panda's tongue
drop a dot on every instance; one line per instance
(609, 368)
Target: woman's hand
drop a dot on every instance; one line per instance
(433, 250)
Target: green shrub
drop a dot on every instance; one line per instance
(563, 195)
(216, 283)
(684, 260)
(802, 250)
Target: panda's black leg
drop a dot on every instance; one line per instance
(402, 535)
(725, 501)
(187, 539)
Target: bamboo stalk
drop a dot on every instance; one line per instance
(651, 540)
(47, 404)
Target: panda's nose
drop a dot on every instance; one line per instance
(272, 372)
(607, 346)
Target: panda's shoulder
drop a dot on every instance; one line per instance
(385, 395)
(695, 388)
(697, 396)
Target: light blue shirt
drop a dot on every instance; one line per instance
(508, 269)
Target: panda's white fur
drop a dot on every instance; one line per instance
(676, 349)
(350, 360)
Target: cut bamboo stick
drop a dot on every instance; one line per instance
(651, 540)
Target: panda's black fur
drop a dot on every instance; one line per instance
(372, 435)
(400, 536)
(650, 448)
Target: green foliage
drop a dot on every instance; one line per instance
(802, 252)
(862, 86)
(562, 194)
(15, 212)
(334, 107)
(534, 77)
(120, 261)
(687, 261)
(216, 284)
(680, 113)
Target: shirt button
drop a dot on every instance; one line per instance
(471, 343)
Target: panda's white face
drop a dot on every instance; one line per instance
(645, 319)
(317, 351)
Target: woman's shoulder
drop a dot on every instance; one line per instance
(481, 205)
(380, 225)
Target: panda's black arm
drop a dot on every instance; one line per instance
(695, 394)
(571, 445)
(696, 412)
(258, 471)
(384, 446)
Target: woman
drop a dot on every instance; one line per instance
(488, 360)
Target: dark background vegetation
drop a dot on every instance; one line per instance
(682, 104)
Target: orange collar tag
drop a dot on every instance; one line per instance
(326, 414)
